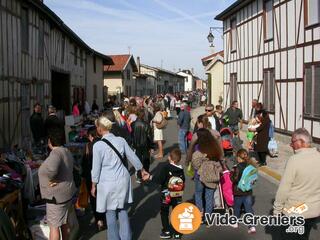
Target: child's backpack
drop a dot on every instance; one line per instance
(273, 148)
(248, 178)
(227, 188)
(175, 186)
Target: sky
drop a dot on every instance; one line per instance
(164, 33)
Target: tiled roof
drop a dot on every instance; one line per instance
(120, 62)
(221, 53)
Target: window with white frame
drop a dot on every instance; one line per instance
(312, 90)
(268, 20)
(269, 90)
(233, 25)
(312, 11)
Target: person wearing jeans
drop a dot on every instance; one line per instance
(111, 181)
(184, 120)
(207, 205)
(124, 230)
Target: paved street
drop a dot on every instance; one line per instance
(145, 216)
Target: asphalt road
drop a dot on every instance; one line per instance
(145, 212)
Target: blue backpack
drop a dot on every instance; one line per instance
(248, 178)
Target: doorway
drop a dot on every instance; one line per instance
(60, 91)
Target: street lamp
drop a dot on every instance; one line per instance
(210, 36)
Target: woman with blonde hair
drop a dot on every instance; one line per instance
(111, 181)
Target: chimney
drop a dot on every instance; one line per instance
(192, 70)
(138, 64)
(179, 69)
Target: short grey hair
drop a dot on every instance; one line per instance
(303, 134)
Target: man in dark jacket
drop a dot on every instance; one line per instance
(53, 123)
(184, 120)
(37, 124)
(142, 139)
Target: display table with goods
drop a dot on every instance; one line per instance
(19, 186)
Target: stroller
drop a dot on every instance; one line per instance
(226, 141)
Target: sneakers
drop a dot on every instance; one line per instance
(252, 230)
(165, 235)
(177, 236)
(236, 225)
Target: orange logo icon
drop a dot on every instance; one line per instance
(186, 218)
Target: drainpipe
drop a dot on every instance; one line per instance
(209, 88)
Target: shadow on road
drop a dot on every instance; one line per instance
(142, 210)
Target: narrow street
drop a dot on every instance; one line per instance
(145, 212)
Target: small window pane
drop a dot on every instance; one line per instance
(266, 90)
(308, 90)
(317, 91)
(269, 19)
(233, 35)
(313, 12)
(41, 38)
(24, 30)
(63, 45)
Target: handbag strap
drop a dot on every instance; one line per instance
(115, 150)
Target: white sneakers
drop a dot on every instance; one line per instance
(252, 230)
(236, 225)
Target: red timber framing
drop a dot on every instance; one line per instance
(294, 45)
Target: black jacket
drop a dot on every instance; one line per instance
(86, 163)
(121, 132)
(53, 123)
(163, 177)
(141, 134)
(37, 126)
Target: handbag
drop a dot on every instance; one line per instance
(123, 159)
(162, 124)
(82, 201)
(190, 170)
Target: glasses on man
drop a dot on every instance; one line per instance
(209, 110)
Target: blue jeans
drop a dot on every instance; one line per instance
(208, 196)
(114, 232)
(246, 201)
(183, 140)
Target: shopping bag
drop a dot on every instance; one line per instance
(82, 201)
(190, 170)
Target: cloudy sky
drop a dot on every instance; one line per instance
(167, 33)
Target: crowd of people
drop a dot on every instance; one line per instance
(133, 131)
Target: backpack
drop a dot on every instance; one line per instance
(175, 186)
(248, 178)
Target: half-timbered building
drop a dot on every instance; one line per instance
(272, 53)
(41, 60)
